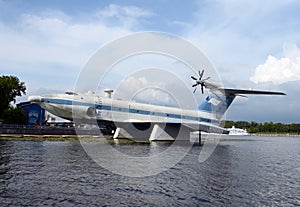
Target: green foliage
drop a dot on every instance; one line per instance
(10, 88)
(228, 124)
(267, 127)
(14, 116)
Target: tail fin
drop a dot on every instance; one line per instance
(221, 99)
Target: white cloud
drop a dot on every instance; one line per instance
(44, 39)
(140, 88)
(52, 46)
(237, 34)
(279, 70)
(114, 10)
(183, 24)
(156, 86)
(52, 36)
(128, 16)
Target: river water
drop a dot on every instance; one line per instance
(260, 171)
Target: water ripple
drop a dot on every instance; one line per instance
(260, 173)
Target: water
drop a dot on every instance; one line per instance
(262, 172)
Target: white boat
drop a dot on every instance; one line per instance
(237, 131)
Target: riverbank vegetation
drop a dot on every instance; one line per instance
(266, 128)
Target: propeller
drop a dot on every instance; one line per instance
(199, 81)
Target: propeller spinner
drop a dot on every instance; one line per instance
(199, 81)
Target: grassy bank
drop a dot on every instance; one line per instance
(60, 138)
(65, 138)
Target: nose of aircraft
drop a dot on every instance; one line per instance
(34, 98)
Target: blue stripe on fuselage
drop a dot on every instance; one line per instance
(136, 111)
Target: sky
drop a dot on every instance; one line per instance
(252, 44)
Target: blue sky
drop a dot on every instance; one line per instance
(252, 44)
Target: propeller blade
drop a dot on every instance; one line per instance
(193, 78)
(201, 74)
(199, 81)
(195, 90)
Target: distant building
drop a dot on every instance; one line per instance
(34, 112)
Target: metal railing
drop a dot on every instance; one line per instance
(48, 130)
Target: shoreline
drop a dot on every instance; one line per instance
(34, 137)
(76, 138)
(275, 135)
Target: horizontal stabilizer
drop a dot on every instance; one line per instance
(240, 91)
(219, 103)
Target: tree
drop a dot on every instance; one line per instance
(267, 127)
(228, 124)
(14, 116)
(10, 88)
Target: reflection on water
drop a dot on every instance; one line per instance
(265, 171)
